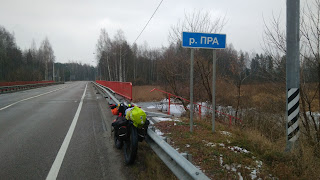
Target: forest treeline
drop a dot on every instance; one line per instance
(36, 64)
(170, 66)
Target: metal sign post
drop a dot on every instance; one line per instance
(214, 59)
(292, 73)
(191, 90)
(206, 41)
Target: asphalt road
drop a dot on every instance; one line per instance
(61, 131)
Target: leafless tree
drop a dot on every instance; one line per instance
(239, 70)
(196, 21)
(46, 55)
(275, 46)
(103, 51)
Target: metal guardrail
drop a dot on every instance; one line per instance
(179, 165)
(103, 89)
(15, 88)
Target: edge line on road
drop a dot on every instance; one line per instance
(53, 173)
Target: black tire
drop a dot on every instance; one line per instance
(131, 146)
(117, 142)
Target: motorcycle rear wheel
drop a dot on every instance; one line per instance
(131, 146)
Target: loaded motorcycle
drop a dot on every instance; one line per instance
(130, 127)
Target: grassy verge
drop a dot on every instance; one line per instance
(235, 153)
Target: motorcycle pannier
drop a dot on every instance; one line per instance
(120, 126)
(137, 116)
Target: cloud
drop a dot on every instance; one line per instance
(73, 26)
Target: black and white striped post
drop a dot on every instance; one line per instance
(293, 114)
(292, 72)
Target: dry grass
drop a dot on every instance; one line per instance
(143, 94)
(311, 91)
(300, 164)
(268, 97)
(263, 134)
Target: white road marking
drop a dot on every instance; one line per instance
(53, 173)
(30, 98)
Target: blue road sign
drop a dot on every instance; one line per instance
(203, 40)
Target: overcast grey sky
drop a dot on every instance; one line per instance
(73, 26)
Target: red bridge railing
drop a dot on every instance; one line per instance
(122, 88)
(200, 106)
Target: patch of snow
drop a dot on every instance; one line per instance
(259, 164)
(159, 133)
(231, 167)
(237, 149)
(177, 120)
(227, 167)
(228, 141)
(211, 144)
(158, 119)
(165, 100)
(226, 133)
(253, 174)
(240, 177)
(187, 145)
(234, 169)
(221, 159)
(254, 171)
(177, 149)
(177, 110)
(151, 107)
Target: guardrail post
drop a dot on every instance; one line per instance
(168, 140)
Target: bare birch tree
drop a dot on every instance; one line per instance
(103, 49)
(46, 55)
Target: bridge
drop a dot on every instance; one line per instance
(63, 131)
